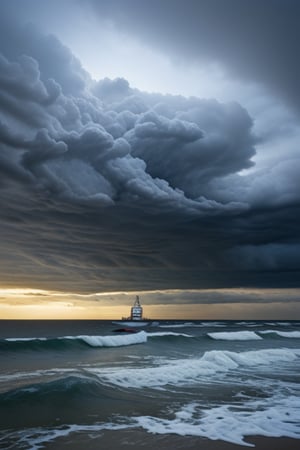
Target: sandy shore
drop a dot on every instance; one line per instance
(139, 440)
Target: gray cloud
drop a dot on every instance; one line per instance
(25, 42)
(252, 40)
(106, 187)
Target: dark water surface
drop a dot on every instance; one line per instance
(79, 384)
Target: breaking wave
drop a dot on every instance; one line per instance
(235, 336)
(69, 342)
(284, 334)
(73, 341)
(274, 412)
(168, 333)
(187, 371)
(125, 339)
(194, 370)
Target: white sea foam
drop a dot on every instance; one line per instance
(94, 341)
(212, 324)
(26, 339)
(178, 325)
(235, 336)
(285, 334)
(167, 333)
(272, 417)
(249, 324)
(113, 341)
(37, 438)
(193, 370)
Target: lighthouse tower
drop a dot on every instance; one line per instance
(136, 310)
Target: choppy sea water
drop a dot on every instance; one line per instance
(66, 382)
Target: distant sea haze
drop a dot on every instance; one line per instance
(212, 384)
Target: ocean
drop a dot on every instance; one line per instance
(172, 384)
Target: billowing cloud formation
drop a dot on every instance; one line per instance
(253, 40)
(106, 187)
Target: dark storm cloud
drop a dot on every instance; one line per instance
(252, 39)
(106, 187)
(24, 44)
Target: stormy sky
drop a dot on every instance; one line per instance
(149, 145)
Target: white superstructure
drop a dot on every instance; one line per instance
(136, 310)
